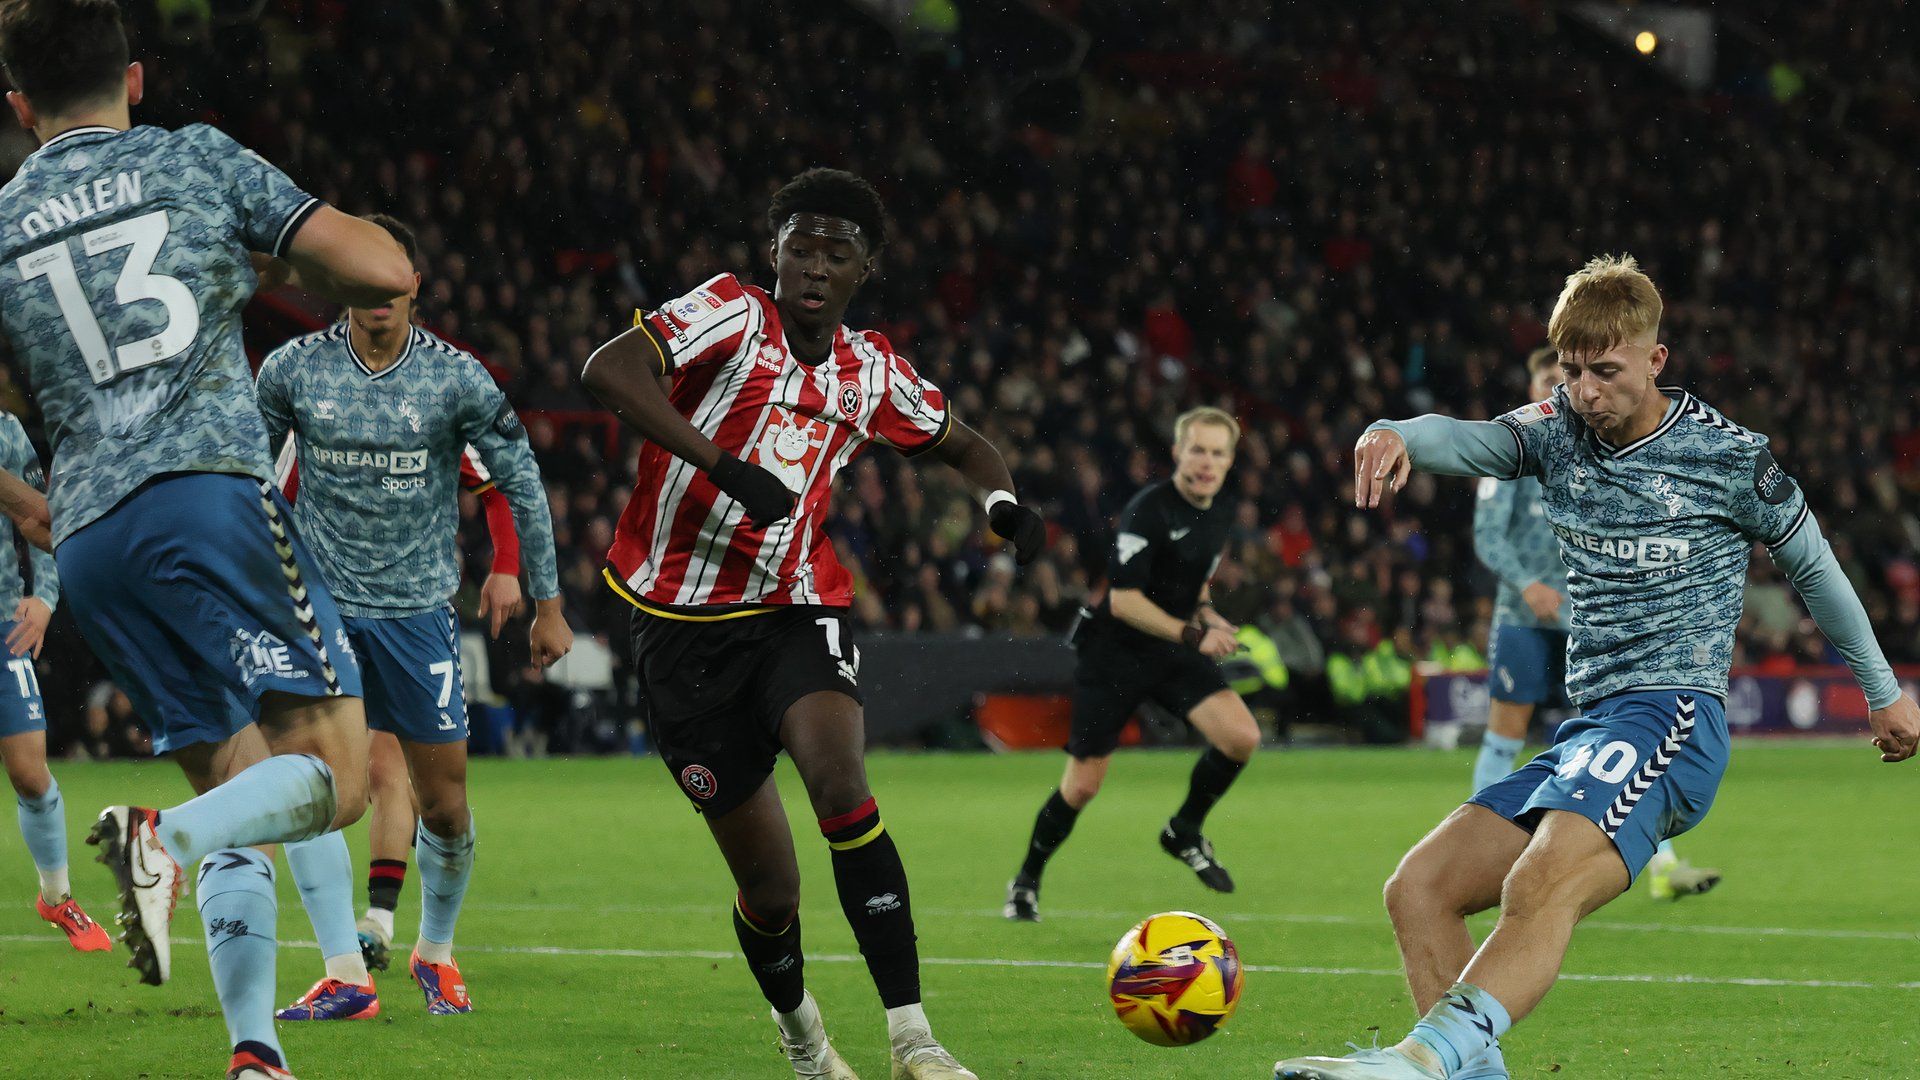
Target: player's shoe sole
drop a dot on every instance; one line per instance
(149, 882)
(1363, 1065)
(1023, 903)
(82, 932)
(1196, 851)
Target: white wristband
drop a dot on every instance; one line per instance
(995, 498)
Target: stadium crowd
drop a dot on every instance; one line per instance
(1260, 213)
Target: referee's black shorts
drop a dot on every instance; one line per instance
(1114, 675)
(715, 691)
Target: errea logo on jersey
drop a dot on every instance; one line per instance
(1640, 552)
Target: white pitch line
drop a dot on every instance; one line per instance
(1266, 917)
(1073, 965)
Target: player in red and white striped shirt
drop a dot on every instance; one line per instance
(751, 404)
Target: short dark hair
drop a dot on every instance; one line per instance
(835, 193)
(400, 232)
(63, 53)
(1542, 359)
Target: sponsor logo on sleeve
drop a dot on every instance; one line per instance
(1770, 481)
(695, 306)
(1129, 545)
(1534, 413)
(506, 422)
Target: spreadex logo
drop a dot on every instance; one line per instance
(403, 467)
(1655, 553)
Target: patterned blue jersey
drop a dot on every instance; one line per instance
(1656, 536)
(123, 269)
(1511, 536)
(379, 456)
(17, 457)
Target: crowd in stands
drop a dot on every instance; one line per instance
(1315, 220)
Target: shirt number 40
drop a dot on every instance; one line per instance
(145, 235)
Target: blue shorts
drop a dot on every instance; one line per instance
(21, 710)
(1643, 765)
(198, 596)
(411, 666)
(1527, 666)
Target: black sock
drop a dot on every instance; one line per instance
(1213, 774)
(260, 1050)
(873, 893)
(773, 952)
(384, 879)
(1050, 830)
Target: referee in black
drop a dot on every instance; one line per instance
(1156, 636)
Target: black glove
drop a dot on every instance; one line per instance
(767, 499)
(1011, 521)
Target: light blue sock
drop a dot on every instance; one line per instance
(283, 799)
(445, 866)
(1497, 755)
(1462, 1025)
(323, 870)
(1665, 848)
(43, 822)
(1491, 1064)
(237, 908)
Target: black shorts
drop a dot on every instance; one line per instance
(714, 692)
(1113, 677)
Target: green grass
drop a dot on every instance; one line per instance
(584, 858)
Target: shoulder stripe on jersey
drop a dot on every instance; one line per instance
(1799, 520)
(294, 221)
(1513, 429)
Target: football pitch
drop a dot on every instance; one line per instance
(596, 943)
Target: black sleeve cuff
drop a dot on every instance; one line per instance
(294, 221)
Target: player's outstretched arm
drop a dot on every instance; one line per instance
(624, 374)
(969, 453)
(1807, 559)
(346, 259)
(1389, 451)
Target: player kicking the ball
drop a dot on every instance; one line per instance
(740, 628)
(1657, 499)
(1156, 635)
(23, 716)
(1527, 661)
(122, 274)
(384, 412)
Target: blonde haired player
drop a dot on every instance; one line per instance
(1156, 636)
(1527, 647)
(1657, 499)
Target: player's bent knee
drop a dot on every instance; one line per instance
(446, 818)
(1240, 744)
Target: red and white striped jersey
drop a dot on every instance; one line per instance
(683, 543)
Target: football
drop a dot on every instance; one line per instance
(1174, 979)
